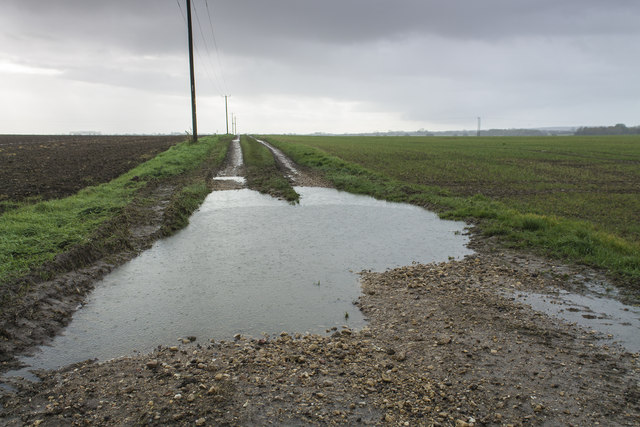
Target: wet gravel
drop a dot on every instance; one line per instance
(443, 347)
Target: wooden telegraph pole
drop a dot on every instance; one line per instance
(226, 112)
(193, 80)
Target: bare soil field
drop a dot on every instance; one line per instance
(48, 167)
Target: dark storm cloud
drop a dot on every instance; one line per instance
(362, 21)
(420, 60)
(142, 26)
(148, 26)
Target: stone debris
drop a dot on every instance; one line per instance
(443, 348)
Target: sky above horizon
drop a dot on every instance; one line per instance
(302, 66)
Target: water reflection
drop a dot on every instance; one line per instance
(248, 263)
(620, 322)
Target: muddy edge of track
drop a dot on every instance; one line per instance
(442, 348)
(34, 311)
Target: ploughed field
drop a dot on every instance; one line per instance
(44, 167)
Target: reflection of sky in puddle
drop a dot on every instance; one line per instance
(604, 315)
(238, 179)
(248, 263)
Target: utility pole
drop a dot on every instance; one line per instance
(193, 79)
(478, 134)
(226, 112)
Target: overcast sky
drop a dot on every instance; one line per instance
(299, 66)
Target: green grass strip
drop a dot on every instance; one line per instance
(262, 172)
(34, 234)
(593, 179)
(568, 239)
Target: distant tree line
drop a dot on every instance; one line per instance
(619, 129)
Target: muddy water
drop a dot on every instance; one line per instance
(611, 320)
(248, 264)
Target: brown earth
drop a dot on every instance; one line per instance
(446, 345)
(48, 167)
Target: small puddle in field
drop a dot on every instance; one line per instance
(248, 263)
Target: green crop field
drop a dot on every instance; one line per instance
(570, 197)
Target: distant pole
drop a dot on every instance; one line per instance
(226, 112)
(478, 134)
(193, 79)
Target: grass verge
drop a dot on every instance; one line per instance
(87, 222)
(573, 240)
(262, 171)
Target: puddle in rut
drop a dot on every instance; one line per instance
(617, 321)
(248, 263)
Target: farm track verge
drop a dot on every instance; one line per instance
(264, 173)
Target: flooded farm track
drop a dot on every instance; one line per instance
(231, 176)
(249, 263)
(443, 347)
(34, 311)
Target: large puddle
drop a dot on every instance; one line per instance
(248, 264)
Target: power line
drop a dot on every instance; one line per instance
(206, 46)
(215, 44)
(213, 81)
(181, 12)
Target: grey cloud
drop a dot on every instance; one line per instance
(152, 25)
(419, 58)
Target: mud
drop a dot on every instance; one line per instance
(231, 176)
